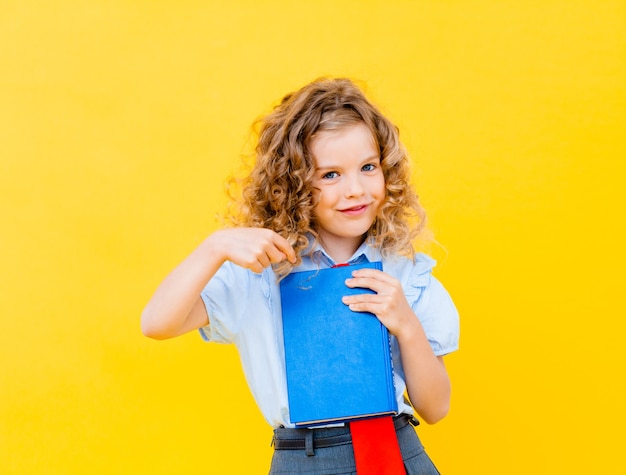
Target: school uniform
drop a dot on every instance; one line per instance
(244, 309)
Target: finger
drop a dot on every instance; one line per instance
(256, 267)
(264, 260)
(360, 306)
(359, 299)
(275, 255)
(373, 279)
(374, 284)
(373, 274)
(287, 249)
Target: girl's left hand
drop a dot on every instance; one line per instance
(389, 303)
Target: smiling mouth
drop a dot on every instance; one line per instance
(355, 209)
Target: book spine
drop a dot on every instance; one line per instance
(391, 386)
(393, 403)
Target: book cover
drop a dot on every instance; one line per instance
(338, 362)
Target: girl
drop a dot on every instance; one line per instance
(330, 185)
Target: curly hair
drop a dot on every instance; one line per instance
(278, 193)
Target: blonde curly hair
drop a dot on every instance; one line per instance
(278, 193)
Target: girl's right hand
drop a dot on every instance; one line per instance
(176, 306)
(252, 248)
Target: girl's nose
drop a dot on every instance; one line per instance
(354, 186)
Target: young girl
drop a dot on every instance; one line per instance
(330, 186)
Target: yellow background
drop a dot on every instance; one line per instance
(120, 120)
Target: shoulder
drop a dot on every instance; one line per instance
(430, 301)
(411, 272)
(417, 279)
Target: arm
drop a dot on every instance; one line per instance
(176, 306)
(427, 380)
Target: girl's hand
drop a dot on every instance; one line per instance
(253, 248)
(176, 306)
(426, 377)
(389, 303)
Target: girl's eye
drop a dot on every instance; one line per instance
(330, 175)
(369, 167)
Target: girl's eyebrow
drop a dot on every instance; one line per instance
(336, 166)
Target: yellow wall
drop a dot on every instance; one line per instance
(119, 121)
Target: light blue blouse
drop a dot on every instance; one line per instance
(244, 309)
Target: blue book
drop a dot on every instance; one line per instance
(338, 362)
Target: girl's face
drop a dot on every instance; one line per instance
(350, 187)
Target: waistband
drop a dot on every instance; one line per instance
(310, 439)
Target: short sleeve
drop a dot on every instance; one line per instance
(224, 305)
(434, 307)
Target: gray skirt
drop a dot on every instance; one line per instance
(336, 456)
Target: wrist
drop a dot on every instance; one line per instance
(214, 248)
(410, 331)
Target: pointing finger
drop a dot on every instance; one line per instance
(287, 249)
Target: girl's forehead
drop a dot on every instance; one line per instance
(354, 142)
(346, 133)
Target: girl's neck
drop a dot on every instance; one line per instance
(341, 250)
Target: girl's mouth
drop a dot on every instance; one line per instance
(354, 210)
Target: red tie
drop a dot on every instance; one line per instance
(376, 448)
